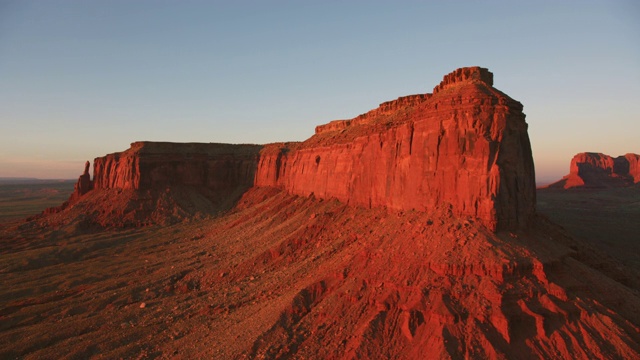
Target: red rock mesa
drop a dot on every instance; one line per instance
(597, 170)
(466, 145)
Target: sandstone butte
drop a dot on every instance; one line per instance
(597, 170)
(408, 232)
(465, 144)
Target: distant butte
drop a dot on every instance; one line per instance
(597, 170)
(465, 144)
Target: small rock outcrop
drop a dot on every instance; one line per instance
(597, 170)
(466, 145)
(84, 184)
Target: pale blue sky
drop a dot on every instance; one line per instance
(80, 79)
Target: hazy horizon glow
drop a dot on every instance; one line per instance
(84, 79)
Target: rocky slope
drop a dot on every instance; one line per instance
(284, 276)
(466, 145)
(597, 170)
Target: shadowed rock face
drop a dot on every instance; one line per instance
(161, 183)
(465, 145)
(84, 184)
(148, 165)
(634, 166)
(597, 170)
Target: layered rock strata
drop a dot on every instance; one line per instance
(147, 165)
(162, 183)
(466, 145)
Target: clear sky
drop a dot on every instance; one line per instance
(80, 79)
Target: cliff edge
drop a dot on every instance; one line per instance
(465, 144)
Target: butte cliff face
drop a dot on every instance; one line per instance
(150, 165)
(465, 145)
(597, 170)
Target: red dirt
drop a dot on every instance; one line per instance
(283, 275)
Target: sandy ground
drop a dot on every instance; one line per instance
(608, 219)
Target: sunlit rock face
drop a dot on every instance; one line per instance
(466, 144)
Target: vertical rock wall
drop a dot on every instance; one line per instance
(466, 145)
(148, 165)
(634, 166)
